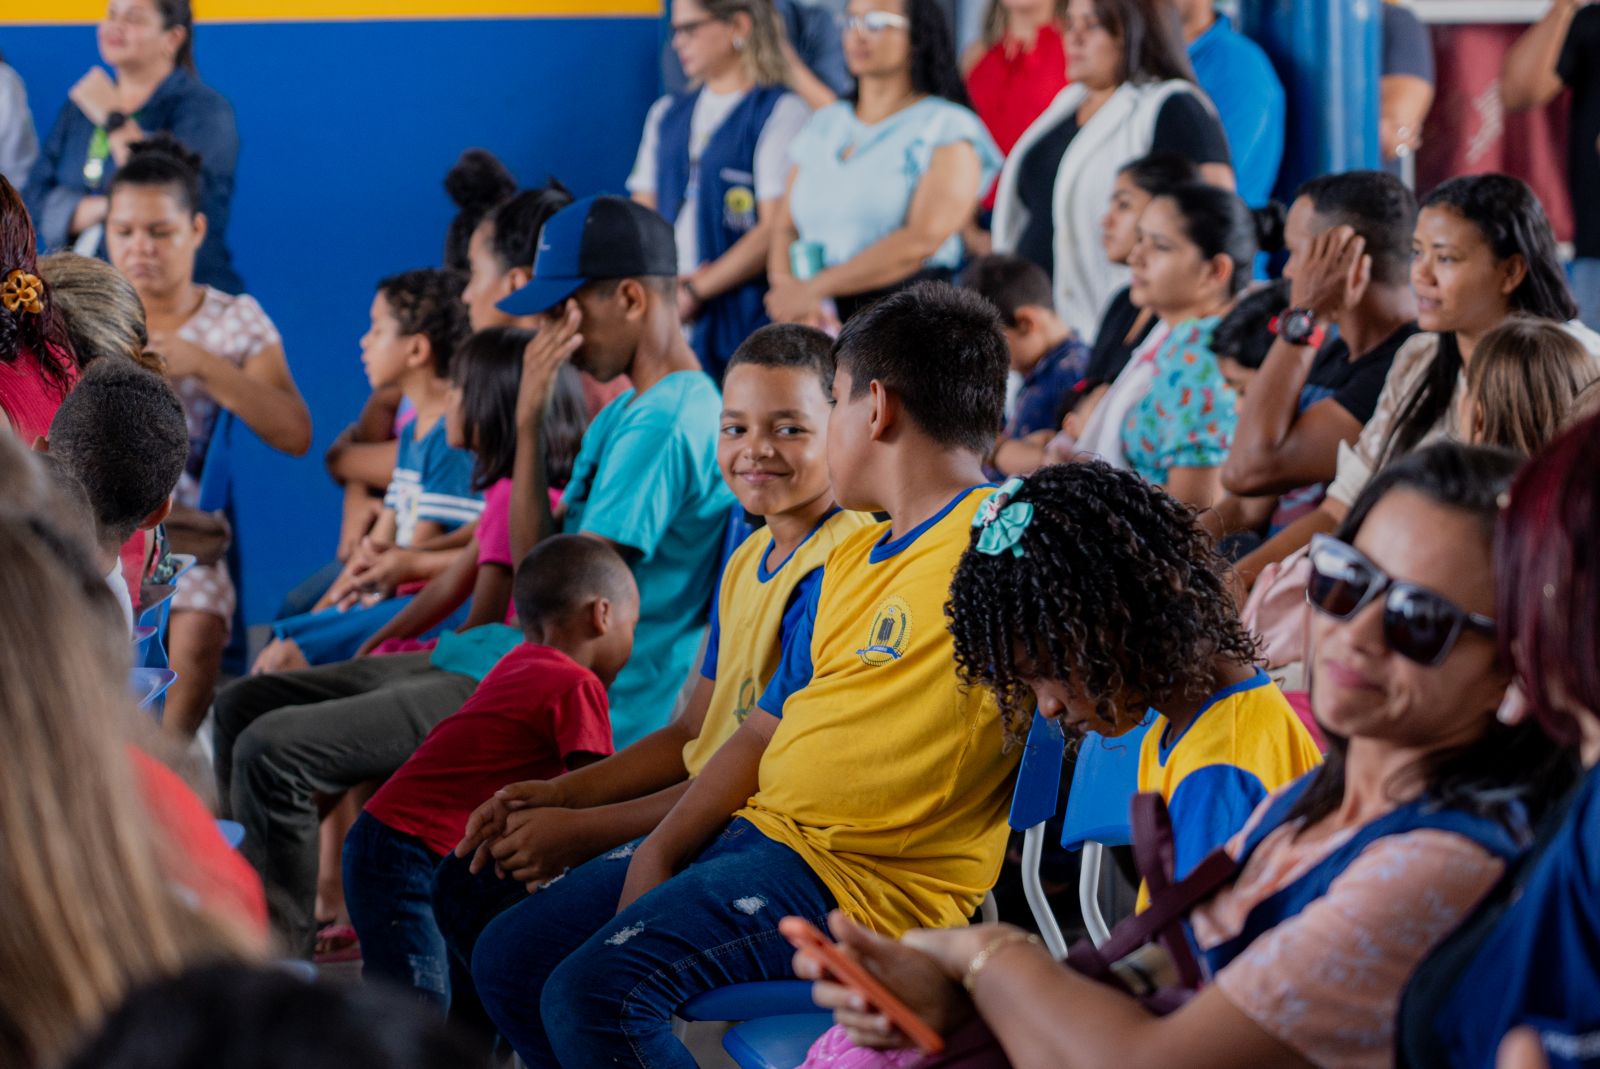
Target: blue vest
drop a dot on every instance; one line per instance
(1421, 814)
(724, 210)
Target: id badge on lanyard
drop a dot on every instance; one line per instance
(94, 168)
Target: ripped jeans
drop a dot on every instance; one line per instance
(388, 887)
(570, 982)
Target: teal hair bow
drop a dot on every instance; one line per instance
(1002, 521)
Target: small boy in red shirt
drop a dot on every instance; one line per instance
(540, 712)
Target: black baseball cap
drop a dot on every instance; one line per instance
(592, 239)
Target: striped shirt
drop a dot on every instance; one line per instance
(431, 481)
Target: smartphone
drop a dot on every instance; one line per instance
(805, 936)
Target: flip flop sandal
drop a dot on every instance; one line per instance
(336, 943)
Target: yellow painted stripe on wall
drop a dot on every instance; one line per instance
(57, 12)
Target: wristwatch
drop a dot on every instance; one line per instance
(1298, 326)
(115, 121)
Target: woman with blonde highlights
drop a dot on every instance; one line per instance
(103, 313)
(90, 906)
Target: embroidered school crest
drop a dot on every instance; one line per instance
(891, 630)
(739, 208)
(746, 700)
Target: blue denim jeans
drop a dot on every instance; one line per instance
(570, 982)
(1584, 276)
(388, 888)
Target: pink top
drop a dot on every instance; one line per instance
(1327, 982)
(28, 397)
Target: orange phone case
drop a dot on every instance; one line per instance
(852, 975)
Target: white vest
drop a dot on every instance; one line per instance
(1120, 132)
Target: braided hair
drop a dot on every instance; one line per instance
(1118, 594)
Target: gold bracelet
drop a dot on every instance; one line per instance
(995, 945)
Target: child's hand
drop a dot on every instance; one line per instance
(488, 821)
(557, 340)
(279, 655)
(384, 573)
(647, 870)
(540, 844)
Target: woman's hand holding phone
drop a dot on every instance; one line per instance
(885, 994)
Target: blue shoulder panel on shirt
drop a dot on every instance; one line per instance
(1208, 808)
(795, 668)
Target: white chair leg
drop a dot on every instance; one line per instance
(1033, 888)
(1089, 893)
(989, 909)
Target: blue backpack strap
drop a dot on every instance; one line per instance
(1275, 816)
(1423, 814)
(672, 154)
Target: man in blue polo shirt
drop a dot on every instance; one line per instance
(1238, 77)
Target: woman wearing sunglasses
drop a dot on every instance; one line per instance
(1528, 960)
(882, 183)
(1346, 878)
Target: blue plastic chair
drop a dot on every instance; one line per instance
(1104, 782)
(776, 1042)
(149, 684)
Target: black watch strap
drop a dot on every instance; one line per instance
(115, 121)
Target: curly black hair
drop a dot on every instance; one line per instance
(428, 301)
(1118, 593)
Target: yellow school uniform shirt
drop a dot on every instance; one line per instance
(887, 775)
(755, 611)
(1245, 743)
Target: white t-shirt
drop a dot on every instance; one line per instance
(119, 587)
(710, 111)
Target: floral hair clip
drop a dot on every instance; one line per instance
(22, 292)
(1001, 521)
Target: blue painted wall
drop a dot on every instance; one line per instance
(348, 129)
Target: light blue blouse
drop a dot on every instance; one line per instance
(847, 204)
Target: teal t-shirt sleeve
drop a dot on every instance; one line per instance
(1208, 808)
(640, 485)
(794, 667)
(447, 496)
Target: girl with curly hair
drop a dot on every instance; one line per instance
(1098, 632)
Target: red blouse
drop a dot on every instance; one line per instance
(28, 397)
(1011, 86)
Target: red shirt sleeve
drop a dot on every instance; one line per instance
(199, 858)
(580, 721)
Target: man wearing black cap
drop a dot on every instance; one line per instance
(646, 478)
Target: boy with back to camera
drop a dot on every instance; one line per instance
(867, 778)
(538, 713)
(122, 433)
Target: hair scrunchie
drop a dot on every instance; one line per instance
(22, 292)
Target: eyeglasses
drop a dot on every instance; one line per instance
(686, 29)
(1417, 623)
(873, 23)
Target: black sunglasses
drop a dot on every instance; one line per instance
(1417, 623)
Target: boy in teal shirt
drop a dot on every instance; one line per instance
(646, 478)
